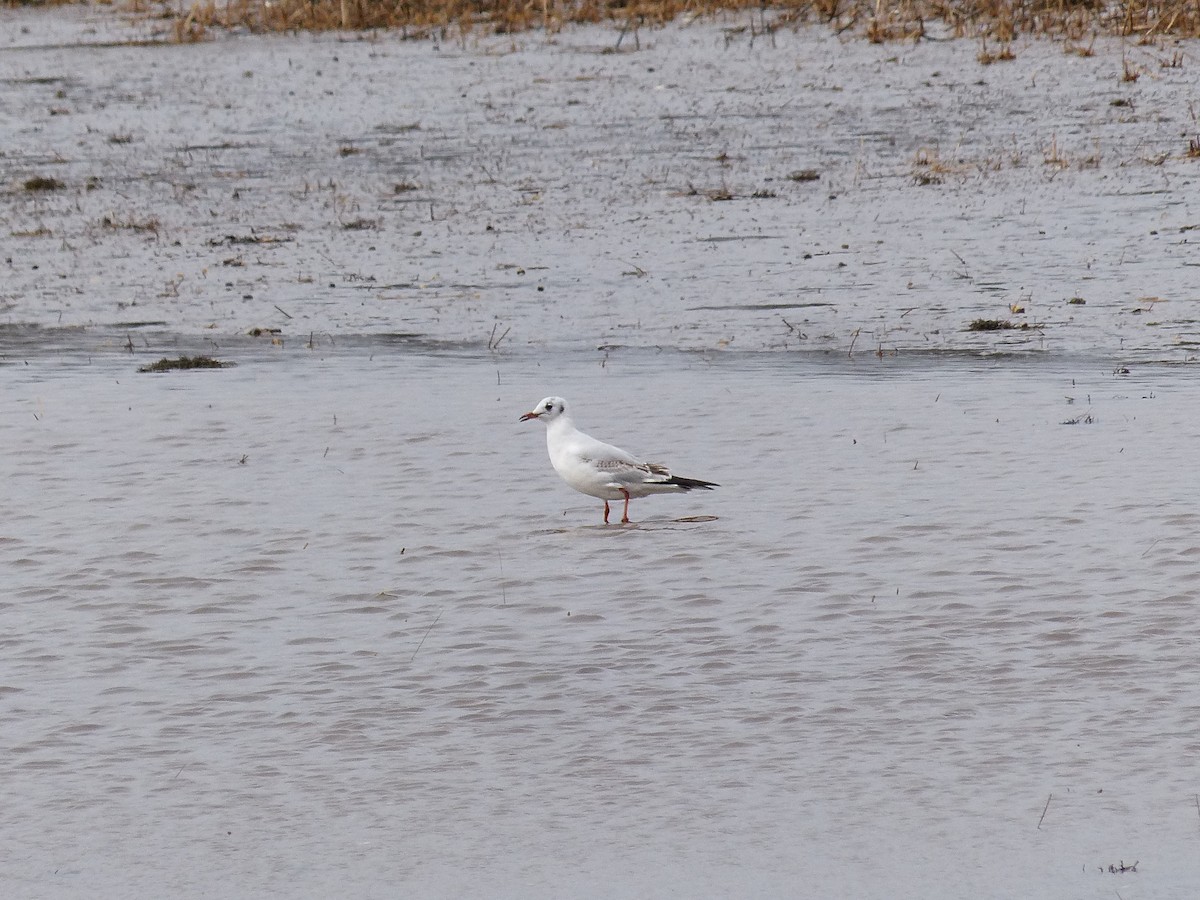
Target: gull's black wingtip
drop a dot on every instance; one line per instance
(691, 484)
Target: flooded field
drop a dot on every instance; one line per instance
(706, 191)
(327, 621)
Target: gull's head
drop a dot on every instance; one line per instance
(547, 410)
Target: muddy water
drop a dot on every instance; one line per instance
(334, 624)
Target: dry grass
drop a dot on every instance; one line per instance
(1000, 21)
(113, 221)
(1002, 54)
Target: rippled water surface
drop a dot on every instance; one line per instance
(332, 624)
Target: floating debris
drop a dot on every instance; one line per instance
(246, 239)
(1122, 868)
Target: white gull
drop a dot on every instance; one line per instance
(601, 470)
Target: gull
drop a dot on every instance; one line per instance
(602, 470)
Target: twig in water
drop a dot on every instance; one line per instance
(966, 268)
(425, 635)
(853, 342)
(494, 344)
(637, 44)
(503, 594)
(1044, 808)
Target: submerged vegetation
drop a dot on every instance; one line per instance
(877, 20)
(184, 363)
(42, 183)
(990, 325)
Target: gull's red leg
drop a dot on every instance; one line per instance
(625, 517)
(605, 512)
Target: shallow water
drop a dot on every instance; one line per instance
(333, 624)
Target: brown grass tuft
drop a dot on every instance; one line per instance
(986, 57)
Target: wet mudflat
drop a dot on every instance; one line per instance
(708, 190)
(326, 620)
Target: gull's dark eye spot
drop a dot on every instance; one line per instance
(549, 406)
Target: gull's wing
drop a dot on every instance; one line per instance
(622, 468)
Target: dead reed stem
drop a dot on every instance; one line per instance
(425, 635)
(1044, 808)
